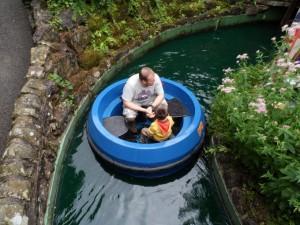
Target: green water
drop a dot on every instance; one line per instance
(93, 194)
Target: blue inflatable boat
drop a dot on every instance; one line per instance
(146, 160)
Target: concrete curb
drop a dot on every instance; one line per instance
(223, 192)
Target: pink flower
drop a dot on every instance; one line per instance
(279, 105)
(227, 80)
(291, 81)
(228, 70)
(282, 63)
(280, 60)
(284, 28)
(292, 67)
(282, 90)
(243, 56)
(220, 86)
(260, 100)
(227, 89)
(273, 39)
(259, 106)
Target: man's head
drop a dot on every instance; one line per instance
(161, 111)
(146, 76)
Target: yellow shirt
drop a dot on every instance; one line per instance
(157, 133)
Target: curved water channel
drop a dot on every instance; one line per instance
(91, 193)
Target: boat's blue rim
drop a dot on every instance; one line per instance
(144, 169)
(127, 144)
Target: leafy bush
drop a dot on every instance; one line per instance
(103, 40)
(56, 5)
(256, 114)
(59, 4)
(65, 86)
(115, 22)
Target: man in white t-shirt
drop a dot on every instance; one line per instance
(143, 92)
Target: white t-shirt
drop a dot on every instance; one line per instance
(134, 91)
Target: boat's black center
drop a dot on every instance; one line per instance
(142, 121)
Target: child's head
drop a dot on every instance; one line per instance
(161, 111)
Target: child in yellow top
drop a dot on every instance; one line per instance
(161, 128)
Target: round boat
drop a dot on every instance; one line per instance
(146, 160)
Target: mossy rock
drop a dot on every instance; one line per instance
(89, 59)
(95, 22)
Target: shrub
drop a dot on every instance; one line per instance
(256, 114)
(65, 86)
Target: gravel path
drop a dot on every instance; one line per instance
(15, 44)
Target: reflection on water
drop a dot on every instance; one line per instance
(93, 194)
(197, 61)
(97, 195)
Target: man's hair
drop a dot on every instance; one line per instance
(161, 112)
(144, 73)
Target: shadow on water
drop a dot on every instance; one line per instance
(123, 175)
(197, 203)
(97, 192)
(118, 174)
(93, 193)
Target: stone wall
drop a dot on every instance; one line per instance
(28, 159)
(23, 169)
(40, 117)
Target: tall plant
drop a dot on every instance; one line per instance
(256, 114)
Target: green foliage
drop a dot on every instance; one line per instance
(56, 23)
(222, 7)
(57, 5)
(134, 7)
(128, 35)
(60, 82)
(256, 114)
(141, 23)
(65, 86)
(115, 22)
(80, 6)
(189, 8)
(103, 40)
(216, 149)
(161, 13)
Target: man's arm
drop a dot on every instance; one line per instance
(158, 100)
(133, 106)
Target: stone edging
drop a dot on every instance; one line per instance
(28, 161)
(223, 192)
(21, 161)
